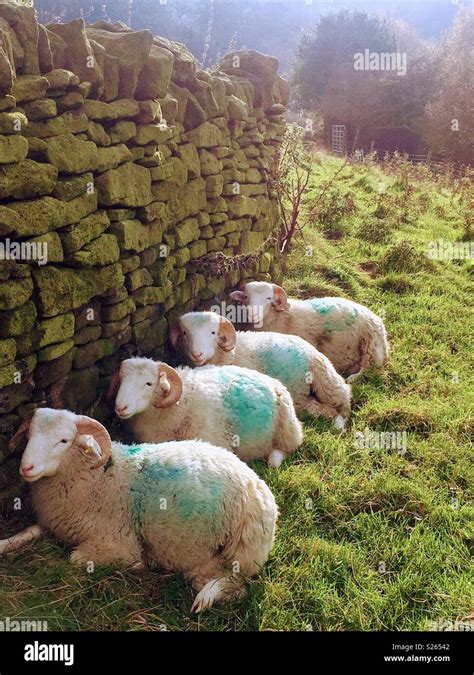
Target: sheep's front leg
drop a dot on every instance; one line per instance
(329, 412)
(18, 540)
(99, 555)
(218, 590)
(353, 377)
(214, 585)
(275, 458)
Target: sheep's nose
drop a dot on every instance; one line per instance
(121, 410)
(196, 355)
(25, 470)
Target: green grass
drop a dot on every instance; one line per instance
(368, 539)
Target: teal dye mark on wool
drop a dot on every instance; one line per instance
(249, 403)
(321, 305)
(346, 314)
(162, 490)
(132, 449)
(285, 361)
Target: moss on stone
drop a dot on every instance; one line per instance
(54, 351)
(80, 207)
(27, 179)
(138, 278)
(149, 295)
(70, 155)
(112, 327)
(101, 251)
(15, 292)
(62, 289)
(198, 249)
(111, 158)
(87, 334)
(9, 221)
(135, 237)
(18, 321)
(187, 231)
(13, 149)
(119, 310)
(7, 351)
(86, 230)
(57, 329)
(51, 371)
(130, 263)
(7, 375)
(38, 216)
(216, 244)
(52, 242)
(122, 131)
(69, 187)
(12, 122)
(128, 185)
(182, 255)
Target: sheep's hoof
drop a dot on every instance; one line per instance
(353, 377)
(207, 596)
(275, 458)
(339, 423)
(216, 590)
(78, 557)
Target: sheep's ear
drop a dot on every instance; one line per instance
(227, 335)
(280, 299)
(239, 296)
(175, 333)
(114, 385)
(23, 429)
(169, 388)
(86, 426)
(89, 447)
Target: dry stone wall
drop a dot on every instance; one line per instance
(121, 166)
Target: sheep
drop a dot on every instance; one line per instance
(183, 505)
(349, 334)
(239, 409)
(19, 540)
(206, 337)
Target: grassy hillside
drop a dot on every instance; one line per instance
(369, 538)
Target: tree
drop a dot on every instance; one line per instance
(450, 116)
(386, 104)
(328, 50)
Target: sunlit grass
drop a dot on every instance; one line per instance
(368, 539)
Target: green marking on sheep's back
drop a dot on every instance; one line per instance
(165, 491)
(287, 362)
(321, 305)
(132, 449)
(250, 405)
(346, 314)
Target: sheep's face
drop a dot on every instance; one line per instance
(261, 298)
(138, 379)
(53, 434)
(201, 334)
(144, 382)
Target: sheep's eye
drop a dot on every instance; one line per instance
(268, 298)
(149, 384)
(184, 332)
(64, 440)
(213, 332)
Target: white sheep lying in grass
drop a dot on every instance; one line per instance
(206, 337)
(184, 505)
(236, 408)
(350, 335)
